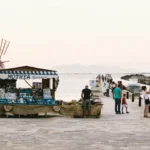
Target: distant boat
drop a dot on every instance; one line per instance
(133, 88)
(108, 77)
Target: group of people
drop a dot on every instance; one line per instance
(86, 94)
(120, 99)
(118, 96)
(103, 78)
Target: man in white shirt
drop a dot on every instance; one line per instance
(107, 88)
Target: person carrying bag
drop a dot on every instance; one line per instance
(147, 101)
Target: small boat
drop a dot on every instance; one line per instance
(108, 77)
(133, 88)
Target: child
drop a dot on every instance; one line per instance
(124, 104)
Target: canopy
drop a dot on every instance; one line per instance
(27, 72)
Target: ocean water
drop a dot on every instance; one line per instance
(71, 85)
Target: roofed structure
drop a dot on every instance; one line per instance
(27, 72)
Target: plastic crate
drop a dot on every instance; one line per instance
(3, 101)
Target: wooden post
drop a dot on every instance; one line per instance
(45, 83)
(54, 88)
(28, 83)
(46, 114)
(132, 97)
(127, 95)
(139, 101)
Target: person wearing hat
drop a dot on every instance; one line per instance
(86, 94)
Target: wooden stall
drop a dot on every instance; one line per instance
(37, 98)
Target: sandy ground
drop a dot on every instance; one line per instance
(110, 132)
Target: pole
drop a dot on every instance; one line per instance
(127, 95)
(1, 45)
(132, 97)
(3, 48)
(139, 101)
(27, 83)
(6, 48)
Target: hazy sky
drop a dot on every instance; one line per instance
(45, 33)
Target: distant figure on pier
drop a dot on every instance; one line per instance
(117, 97)
(113, 86)
(147, 101)
(102, 77)
(105, 78)
(86, 94)
(120, 85)
(99, 78)
(107, 85)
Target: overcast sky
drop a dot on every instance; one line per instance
(46, 33)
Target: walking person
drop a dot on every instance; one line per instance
(117, 97)
(147, 101)
(86, 94)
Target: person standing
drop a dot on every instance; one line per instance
(117, 97)
(147, 101)
(121, 85)
(86, 94)
(102, 77)
(124, 104)
(113, 86)
(105, 78)
(99, 78)
(107, 88)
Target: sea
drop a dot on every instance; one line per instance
(71, 85)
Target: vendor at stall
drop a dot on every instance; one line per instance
(86, 94)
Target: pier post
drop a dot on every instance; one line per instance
(139, 101)
(127, 95)
(132, 97)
